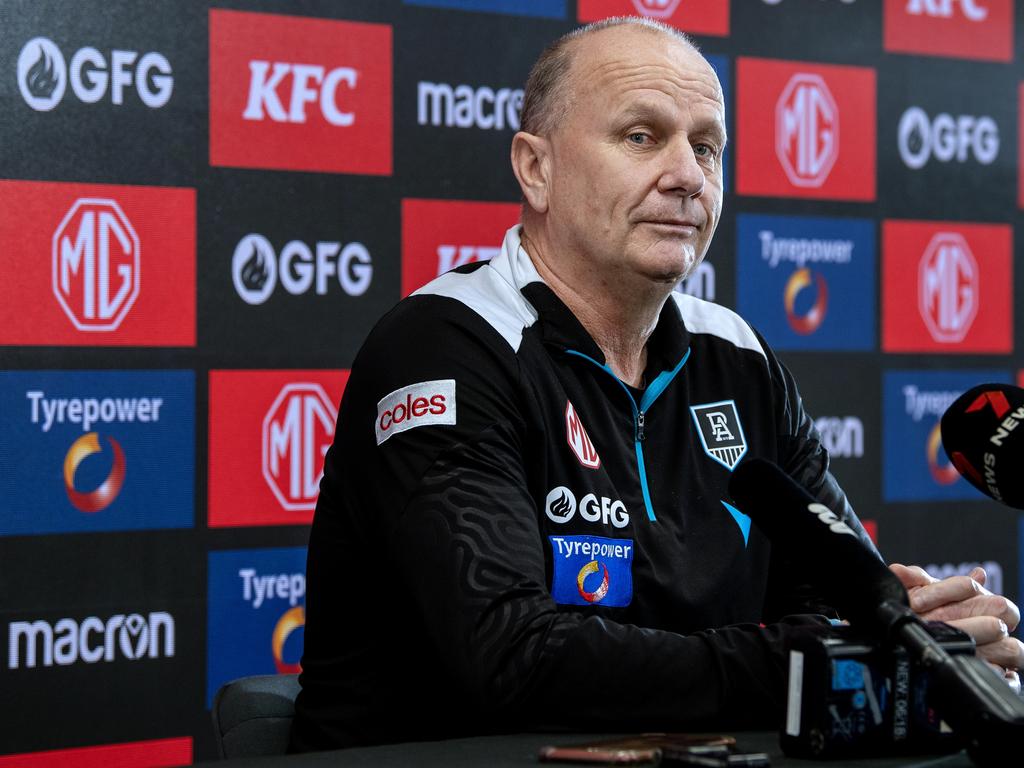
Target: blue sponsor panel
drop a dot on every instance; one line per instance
(96, 451)
(549, 9)
(808, 282)
(915, 466)
(720, 64)
(591, 570)
(256, 613)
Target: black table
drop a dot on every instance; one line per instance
(521, 750)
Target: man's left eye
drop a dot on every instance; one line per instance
(704, 150)
(637, 138)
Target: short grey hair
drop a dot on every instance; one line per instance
(546, 94)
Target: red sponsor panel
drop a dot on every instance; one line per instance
(155, 753)
(701, 17)
(300, 94)
(947, 287)
(269, 431)
(805, 130)
(968, 29)
(1020, 378)
(97, 265)
(871, 528)
(439, 235)
(1020, 145)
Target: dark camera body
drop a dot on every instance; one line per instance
(849, 697)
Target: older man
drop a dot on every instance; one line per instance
(524, 518)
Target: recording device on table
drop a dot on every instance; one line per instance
(881, 685)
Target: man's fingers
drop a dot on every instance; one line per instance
(979, 605)
(911, 575)
(978, 574)
(955, 589)
(993, 642)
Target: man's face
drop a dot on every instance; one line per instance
(636, 161)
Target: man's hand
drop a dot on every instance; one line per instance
(965, 603)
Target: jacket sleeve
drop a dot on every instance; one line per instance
(452, 504)
(805, 459)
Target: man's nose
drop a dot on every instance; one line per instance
(682, 174)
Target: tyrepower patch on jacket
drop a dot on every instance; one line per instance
(429, 402)
(590, 570)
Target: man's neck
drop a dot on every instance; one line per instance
(619, 318)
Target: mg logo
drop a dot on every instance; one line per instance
(948, 287)
(807, 130)
(656, 9)
(297, 431)
(96, 265)
(579, 440)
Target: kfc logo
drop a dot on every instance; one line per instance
(43, 75)
(970, 29)
(297, 431)
(707, 17)
(440, 235)
(948, 287)
(807, 130)
(578, 439)
(418, 405)
(299, 94)
(823, 140)
(96, 265)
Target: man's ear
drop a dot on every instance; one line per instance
(531, 163)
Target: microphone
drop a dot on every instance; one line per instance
(970, 696)
(981, 439)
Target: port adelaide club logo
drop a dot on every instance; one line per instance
(721, 433)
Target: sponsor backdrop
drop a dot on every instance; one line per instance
(204, 207)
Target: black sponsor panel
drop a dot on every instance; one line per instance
(103, 637)
(294, 269)
(950, 539)
(458, 89)
(103, 91)
(846, 409)
(826, 30)
(947, 140)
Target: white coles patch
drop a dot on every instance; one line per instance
(429, 402)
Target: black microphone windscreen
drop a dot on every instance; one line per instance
(855, 580)
(981, 438)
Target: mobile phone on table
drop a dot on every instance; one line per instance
(630, 750)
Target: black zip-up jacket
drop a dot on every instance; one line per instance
(507, 536)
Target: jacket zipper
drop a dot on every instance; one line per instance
(659, 385)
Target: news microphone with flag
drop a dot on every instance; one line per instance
(975, 701)
(983, 435)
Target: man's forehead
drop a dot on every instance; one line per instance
(628, 56)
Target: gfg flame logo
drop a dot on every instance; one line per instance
(96, 264)
(807, 130)
(297, 431)
(948, 287)
(43, 75)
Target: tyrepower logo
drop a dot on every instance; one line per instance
(94, 76)
(914, 465)
(269, 432)
(256, 614)
(805, 130)
(96, 451)
(702, 17)
(290, 93)
(439, 235)
(97, 265)
(947, 287)
(91, 641)
(968, 29)
(821, 273)
(325, 267)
